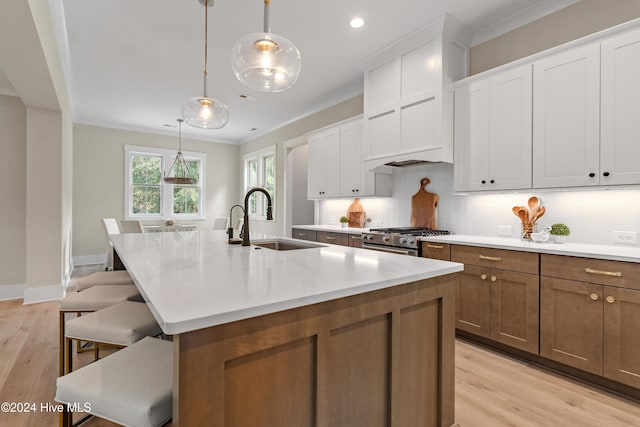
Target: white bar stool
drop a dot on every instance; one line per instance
(101, 278)
(119, 325)
(92, 299)
(132, 387)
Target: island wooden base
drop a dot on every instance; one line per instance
(383, 358)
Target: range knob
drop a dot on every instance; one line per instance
(410, 241)
(385, 238)
(368, 236)
(402, 240)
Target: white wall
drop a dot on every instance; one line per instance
(98, 187)
(591, 214)
(13, 209)
(578, 20)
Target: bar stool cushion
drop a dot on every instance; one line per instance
(132, 387)
(121, 324)
(119, 277)
(99, 297)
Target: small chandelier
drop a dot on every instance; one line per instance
(265, 61)
(179, 167)
(202, 111)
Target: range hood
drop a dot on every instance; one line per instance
(408, 99)
(386, 164)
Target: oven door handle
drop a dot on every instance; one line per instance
(391, 250)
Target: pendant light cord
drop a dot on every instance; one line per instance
(267, 27)
(206, 38)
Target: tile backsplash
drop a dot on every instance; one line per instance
(591, 214)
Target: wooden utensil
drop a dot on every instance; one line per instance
(424, 207)
(523, 214)
(533, 202)
(541, 210)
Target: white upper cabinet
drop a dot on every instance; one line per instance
(620, 113)
(493, 132)
(335, 164)
(566, 118)
(407, 99)
(324, 164)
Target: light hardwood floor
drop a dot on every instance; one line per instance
(491, 390)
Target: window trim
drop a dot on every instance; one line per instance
(258, 156)
(166, 199)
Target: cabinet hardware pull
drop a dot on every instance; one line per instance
(435, 246)
(494, 278)
(356, 237)
(611, 299)
(483, 277)
(604, 273)
(490, 258)
(331, 238)
(302, 234)
(594, 297)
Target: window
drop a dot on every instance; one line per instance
(147, 196)
(260, 171)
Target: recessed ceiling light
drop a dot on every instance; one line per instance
(356, 22)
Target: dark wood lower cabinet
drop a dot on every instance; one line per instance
(590, 316)
(622, 335)
(383, 358)
(571, 323)
(501, 305)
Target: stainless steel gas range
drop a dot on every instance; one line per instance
(398, 240)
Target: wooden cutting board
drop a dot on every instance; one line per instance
(424, 207)
(355, 214)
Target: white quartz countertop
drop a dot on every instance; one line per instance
(193, 280)
(333, 228)
(610, 252)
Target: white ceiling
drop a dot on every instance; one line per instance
(131, 64)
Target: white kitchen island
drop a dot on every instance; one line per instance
(321, 336)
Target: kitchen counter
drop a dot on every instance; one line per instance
(609, 252)
(333, 228)
(196, 280)
(320, 336)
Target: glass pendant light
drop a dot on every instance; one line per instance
(265, 61)
(202, 111)
(179, 167)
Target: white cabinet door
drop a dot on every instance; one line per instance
(324, 164)
(314, 167)
(566, 118)
(493, 132)
(351, 159)
(509, 150)
(471, 136)
(620, 133)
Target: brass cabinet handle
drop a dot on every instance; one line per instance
(356, 237)
(604, 273)
(331, 238)
(494, 278)
(302, 234)
(483, 277)
(611, 299)
(490, 258)
(435, 246)
(594, 297)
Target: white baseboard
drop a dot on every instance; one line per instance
(9, 292)
(43, 293)
(90, 259)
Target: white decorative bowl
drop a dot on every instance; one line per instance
(560, 239)
(540, 237)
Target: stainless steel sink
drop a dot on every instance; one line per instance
(285, 245)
